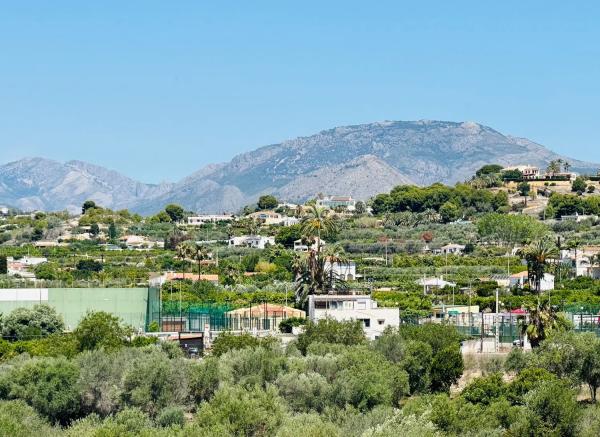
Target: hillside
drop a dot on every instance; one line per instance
(359, 160)
(43, 184)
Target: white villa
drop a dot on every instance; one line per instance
(452, 249)
(209, 218)
(333, 202)
(253, 241)
(353, 307)
(273, 218)
(430, 284)
(345, 271)
(139, 242)
(300, 246)
(522, 278)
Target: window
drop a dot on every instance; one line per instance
(361, 305)
(366, 322)
(320, 305)
(380, 321)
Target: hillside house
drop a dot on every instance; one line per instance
(199, 220)
(530, 172)
(353, 307)
(345, 271)
(431, 284)
(301, 246)
(138, 242)
(273, 218)
(522, 278)
(452, 249)
(333, 202)
(253, 241)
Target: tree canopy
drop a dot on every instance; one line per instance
(267, 202)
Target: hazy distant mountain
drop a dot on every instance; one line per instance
(360, 160)
(43, 184)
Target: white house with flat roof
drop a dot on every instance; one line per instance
(333, 202)
(199, 220)
(452, 249)
(353, 307)
(301, 246)
(273, 218)
(430, 284)
(522, 278)
(345, 271)
(253, 241)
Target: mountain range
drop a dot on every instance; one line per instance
(359, 160)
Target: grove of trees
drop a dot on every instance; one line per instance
(330, 382)
(450, 202)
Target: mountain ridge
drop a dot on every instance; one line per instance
(359, 160)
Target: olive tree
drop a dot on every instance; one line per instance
(24, 323)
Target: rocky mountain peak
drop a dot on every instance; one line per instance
(359, 160)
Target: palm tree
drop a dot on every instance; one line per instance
(542, 321)
(566, 166)
(333, 255)
(319, 222)
(431, 216)
(250, 226)
(197, 252)
(316, 273)
(537, 255)
(478, 183)
(554, 167)
(183, 252)
(406, 218)
(524, 189)
(574, 244)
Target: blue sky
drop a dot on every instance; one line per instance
(157, 89)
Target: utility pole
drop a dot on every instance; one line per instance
(481, 333)
(496, 317)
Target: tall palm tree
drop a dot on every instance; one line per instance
(554, 167)
(319, 222)
(315, 272)
(538, 255)
(333, 256)
(183, 252)
(574, 244)
(197, 252)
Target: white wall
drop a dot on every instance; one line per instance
(390, 316)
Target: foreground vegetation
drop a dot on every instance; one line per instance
(331, 381)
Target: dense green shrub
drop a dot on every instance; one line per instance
(99, 329)
(237, 411)
(47, 384)
(331, 331)
(17, 419)
(171, 416)
(27, 323)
